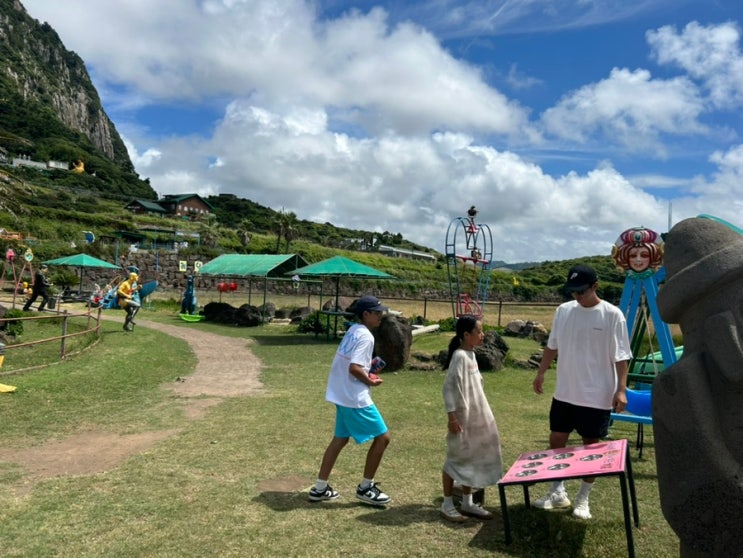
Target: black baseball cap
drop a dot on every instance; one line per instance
(580, 277)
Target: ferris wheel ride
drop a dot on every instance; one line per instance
(469, 256)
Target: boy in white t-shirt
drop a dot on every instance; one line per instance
(356, 416)
(589, 338)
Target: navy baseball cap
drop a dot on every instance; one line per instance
(368, 303)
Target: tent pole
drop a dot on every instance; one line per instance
(265, 294)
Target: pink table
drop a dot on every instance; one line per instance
(604, 459)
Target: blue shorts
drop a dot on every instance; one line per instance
(360, 424)
(586, 421)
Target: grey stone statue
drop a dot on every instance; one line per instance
(698, 402)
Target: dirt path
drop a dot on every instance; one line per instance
(225, 368)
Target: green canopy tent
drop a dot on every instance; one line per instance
(82, 261)
(337, 267)
(253, 266)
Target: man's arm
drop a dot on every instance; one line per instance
(620, 396)
(548, 355)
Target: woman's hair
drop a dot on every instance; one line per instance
(464, 324)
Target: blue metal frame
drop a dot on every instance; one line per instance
(630, 303)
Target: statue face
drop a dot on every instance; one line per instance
(639, 258)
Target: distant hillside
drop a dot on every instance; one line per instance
(50, 109)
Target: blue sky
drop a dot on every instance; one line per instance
(565, 122)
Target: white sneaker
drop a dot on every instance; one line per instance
(477, 511)
(581, 509)
(553, 501)
(451, 514)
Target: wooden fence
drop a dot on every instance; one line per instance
(74, 329)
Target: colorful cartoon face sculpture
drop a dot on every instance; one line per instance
(638, 252)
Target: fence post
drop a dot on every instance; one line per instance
(500, 308)
(425, 307)
(64, 334)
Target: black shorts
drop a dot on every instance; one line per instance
(588, 422)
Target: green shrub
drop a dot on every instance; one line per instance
(14, 328)
(313, 324)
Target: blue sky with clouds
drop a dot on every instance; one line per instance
(564, 121)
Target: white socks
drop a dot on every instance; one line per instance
(584, 490)
(558, 486)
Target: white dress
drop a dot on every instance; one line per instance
(473, 457)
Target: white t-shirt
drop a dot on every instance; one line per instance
(356, 347)
(589, 341)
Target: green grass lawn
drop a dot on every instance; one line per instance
(234, 482)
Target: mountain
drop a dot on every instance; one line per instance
(50, 110)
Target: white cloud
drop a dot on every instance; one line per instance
(629, 108)
(379, 77)
(710, 54)
(414, 186)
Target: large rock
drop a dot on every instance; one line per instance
(298, 315)
(527, 330)
(392, 341)
(220, 313)
(491, 353)
(249, 316)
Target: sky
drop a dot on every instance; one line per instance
(565, 122)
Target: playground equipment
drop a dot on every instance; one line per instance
(19, 286)
(639, 252)
(469, 252)
(110, 300)
(638, 411)
(188, 304)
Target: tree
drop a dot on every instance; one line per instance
(244, 234)
(285, 228)
(209, 232)
(290, 228)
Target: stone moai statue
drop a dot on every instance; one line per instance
(698, 402)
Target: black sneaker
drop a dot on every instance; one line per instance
(372, 495)
(327, 494)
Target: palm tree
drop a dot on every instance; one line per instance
(285, 228)
(279, 229)
(290, 228)
(244, 234)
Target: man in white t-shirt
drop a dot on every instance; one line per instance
(590, 339)
(356, 416)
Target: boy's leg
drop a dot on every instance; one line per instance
(330, 456)
(375, 453)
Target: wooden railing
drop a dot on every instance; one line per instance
(91, 326)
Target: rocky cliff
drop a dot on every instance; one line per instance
(40, 78)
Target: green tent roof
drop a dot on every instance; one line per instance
(253, 265)
(81, 260)
(339, 266)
